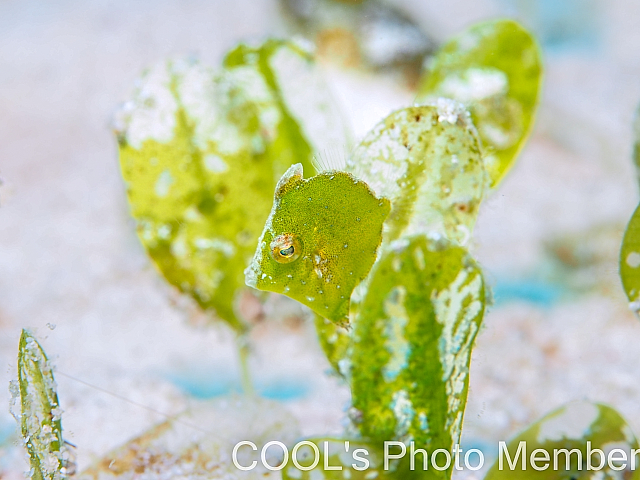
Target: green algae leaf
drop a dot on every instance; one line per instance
(334, 340)
(310, 120)
(361, 33)
(426, 160)
(320, 240)
(630, 261)
(40, 411)
(201, 152)
(413, 335)
(495, 69)
(346, 459)
(570, 428)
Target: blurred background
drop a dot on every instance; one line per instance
(127, 346)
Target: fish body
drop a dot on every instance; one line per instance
(320, 240)
(419, 172)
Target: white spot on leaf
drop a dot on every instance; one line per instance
(163, 184)
(633, 259)
(457, 308)
(215, 164)
(395, 342)
(475, 84)
(403, 411)
(151, 115)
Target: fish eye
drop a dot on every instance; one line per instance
(287, 252)
(286, 248)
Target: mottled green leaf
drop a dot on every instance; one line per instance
(630, 261)
(202, 151)
(348, 455)
(495, 69)
(426, 161)
(319, 241)
(310, 120)
(40, 413)
(570, 428)
(414, 332)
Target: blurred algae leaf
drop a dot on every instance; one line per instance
(320, 240)
(40, 411)
(426, 160)
(630, 250)
(351, 460)
(630, 261)
(334, 340)
(361, 33)
(562, 435)
(495, 70)
(413, 335)
(201, 152)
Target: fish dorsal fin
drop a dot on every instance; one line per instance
(330, 159)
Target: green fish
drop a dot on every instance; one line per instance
(418, 172)
(320, 240)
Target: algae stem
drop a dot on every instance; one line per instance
(243, 356)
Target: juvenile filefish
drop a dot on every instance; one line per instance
(419, 172)
(320, 240)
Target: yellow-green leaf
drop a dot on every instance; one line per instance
(561, 436)
(334, 340)
(495, 69)
(201, 152)
(426, 160)
(40, 413)
(414, 332)
(630, 261)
